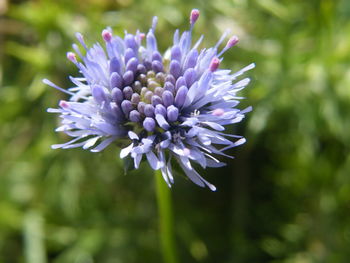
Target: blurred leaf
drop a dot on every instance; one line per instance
(34, 238)
(35, 56)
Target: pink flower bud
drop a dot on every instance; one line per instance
(63, 104)
(232, 41)
(214, 64)
(194, 16)
(71, 56)
(106, 35)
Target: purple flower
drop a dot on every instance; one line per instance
(171, 107)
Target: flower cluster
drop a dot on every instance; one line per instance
(170, 107)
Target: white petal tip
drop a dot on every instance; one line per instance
(55, 146)
(212, 187)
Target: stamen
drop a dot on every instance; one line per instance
(230, 43)
(63, 104)
(194, 16)
(71, 56)
(195, 113)
(106, 35)
(214, 64)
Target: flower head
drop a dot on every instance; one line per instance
(170, 107)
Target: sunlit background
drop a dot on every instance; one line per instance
(284, 198)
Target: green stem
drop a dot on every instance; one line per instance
(167, 238)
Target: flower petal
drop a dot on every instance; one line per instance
(125, 152)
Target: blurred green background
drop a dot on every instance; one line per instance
(286, 196)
